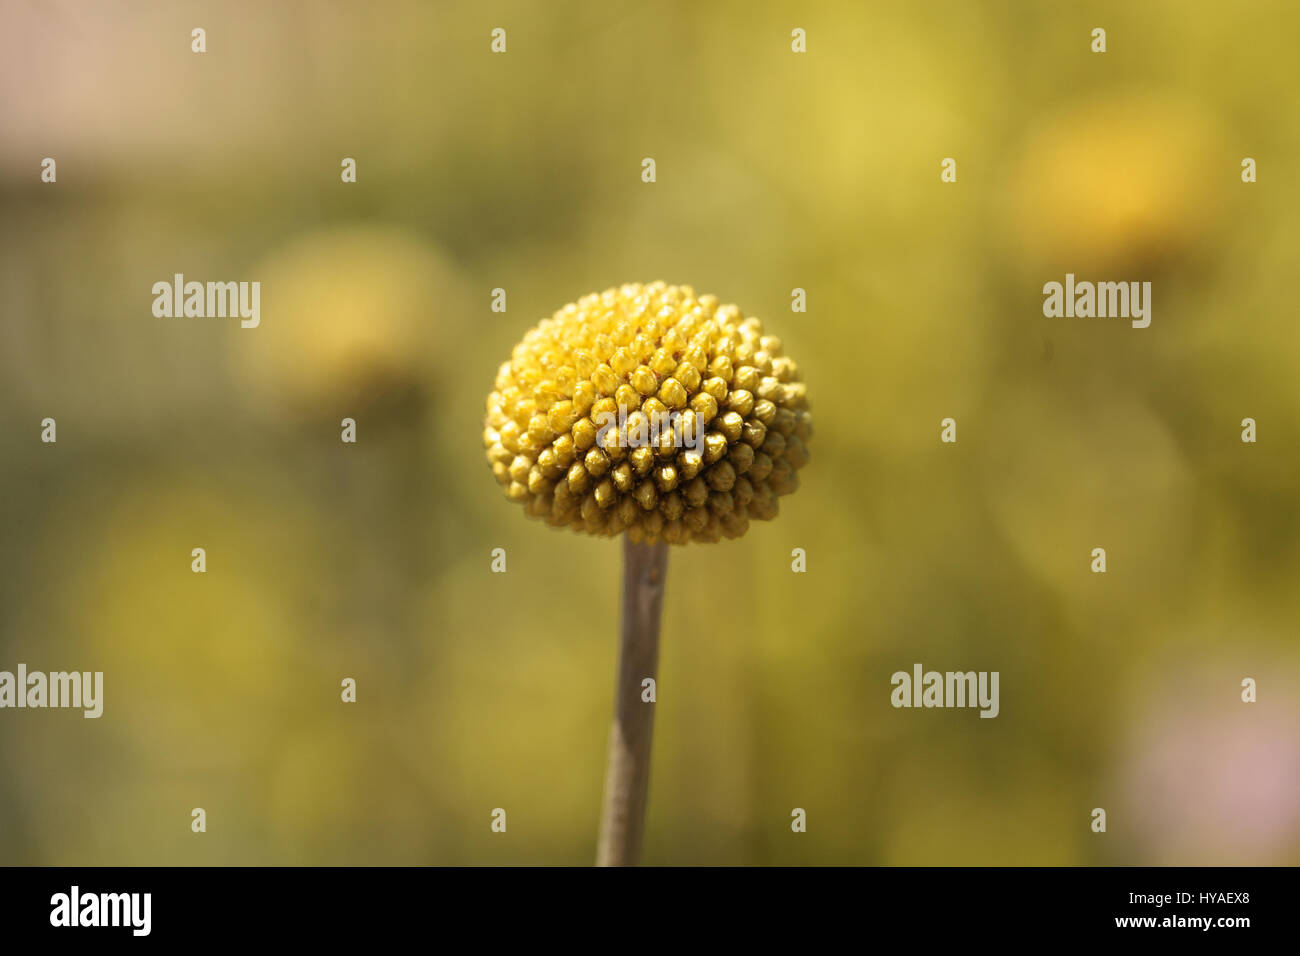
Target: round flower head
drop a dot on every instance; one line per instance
(350, 327)
(1120, 182)
(649, 410)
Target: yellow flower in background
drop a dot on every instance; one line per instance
(1119, 181)
(649, 410)
(350, 314)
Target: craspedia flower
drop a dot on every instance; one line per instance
(1119, 181)
(650, 410)
(347, 323)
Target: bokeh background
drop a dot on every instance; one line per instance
(775, 171)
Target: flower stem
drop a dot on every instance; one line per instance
(627, 774)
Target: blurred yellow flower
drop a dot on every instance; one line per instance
(1124, 180)
(349, 313)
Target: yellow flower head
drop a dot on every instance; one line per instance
(649, 410)
(352, 326)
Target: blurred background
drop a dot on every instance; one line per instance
(774, 171)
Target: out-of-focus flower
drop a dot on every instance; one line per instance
(351, 314)
(1218, 784)
(1120, 181)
